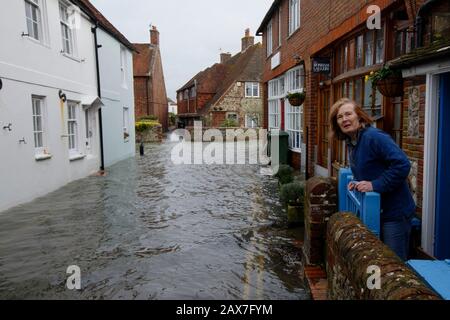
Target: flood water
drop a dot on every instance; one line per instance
(154, 230)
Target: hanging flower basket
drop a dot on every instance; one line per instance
(388, 81)
(296, 99)
(391, 86)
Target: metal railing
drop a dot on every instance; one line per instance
(365, 206)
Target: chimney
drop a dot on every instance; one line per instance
(224, 57)
(247, 40)
(154, 36)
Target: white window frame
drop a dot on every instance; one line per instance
(73, 109)
(269, 38)
(295, 79)
(294, 15)
(68, 40)
(249, 118)
(126, 123)
(34, 26)
(279, 27)
(123, 66)
(39, 117)
(294, 125)
(254, 89)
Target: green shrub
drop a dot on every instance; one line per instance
(230, 123)
(141, 126)
(150, 117)
(172, 118)
(293, 193)
(285, 174)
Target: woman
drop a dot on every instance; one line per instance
(378, 165)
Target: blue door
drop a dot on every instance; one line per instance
(442, 219)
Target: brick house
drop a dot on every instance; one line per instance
(301, 34)
(149, 85)
(229, 90)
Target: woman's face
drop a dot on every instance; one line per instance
(348, 120)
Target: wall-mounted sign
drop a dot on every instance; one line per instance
(275, 61)
(321, 65)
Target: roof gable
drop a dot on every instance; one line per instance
(97, 16)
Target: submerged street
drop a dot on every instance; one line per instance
(154, 230)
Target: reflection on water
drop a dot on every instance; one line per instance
(153, 230)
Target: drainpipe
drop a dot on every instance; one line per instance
(99, 93)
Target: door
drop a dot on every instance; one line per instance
(442, 218)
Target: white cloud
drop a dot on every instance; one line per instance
(192, 32)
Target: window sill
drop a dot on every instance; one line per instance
(39, 42)
(42, 157)
(295, 150)
(71, 57)
(76, 157)
(293, 33)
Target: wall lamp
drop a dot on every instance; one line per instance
(62, 96)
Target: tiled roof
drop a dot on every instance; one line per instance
(437, 50)
(92, 12)
(268, 16)
(245, 66)
(143, 59)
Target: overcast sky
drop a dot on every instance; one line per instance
(192, 32)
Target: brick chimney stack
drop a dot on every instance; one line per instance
(154, 36)
(224, 57)
(247, 40)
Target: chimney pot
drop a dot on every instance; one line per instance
(247, 40)
(224, 57)
(154, 36)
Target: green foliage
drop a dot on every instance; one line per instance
(382, 74)
(296, 95)
(230, 123)
(150, 117)
(293, 193)
(141, 126)
(285, 174)
(172, 118)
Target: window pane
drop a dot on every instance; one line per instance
(358, 90)
(359, 51)
(380, 46)
(368, 46)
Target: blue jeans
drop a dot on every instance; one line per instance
(395, 235)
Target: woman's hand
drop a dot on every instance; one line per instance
(363, 186)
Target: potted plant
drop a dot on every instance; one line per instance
(296, 99)
(388, 81)
(284, 174)
(293, 197)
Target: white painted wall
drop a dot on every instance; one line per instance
(173, 107)
(116, 95)
(28, 68)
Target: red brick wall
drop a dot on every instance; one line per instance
(158, 100)
(140, 96)
(322, 23)
(218, 118)
(150, 93)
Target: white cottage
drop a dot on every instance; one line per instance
(115, 54)
(49, 101)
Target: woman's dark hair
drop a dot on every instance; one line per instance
(335, 132)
